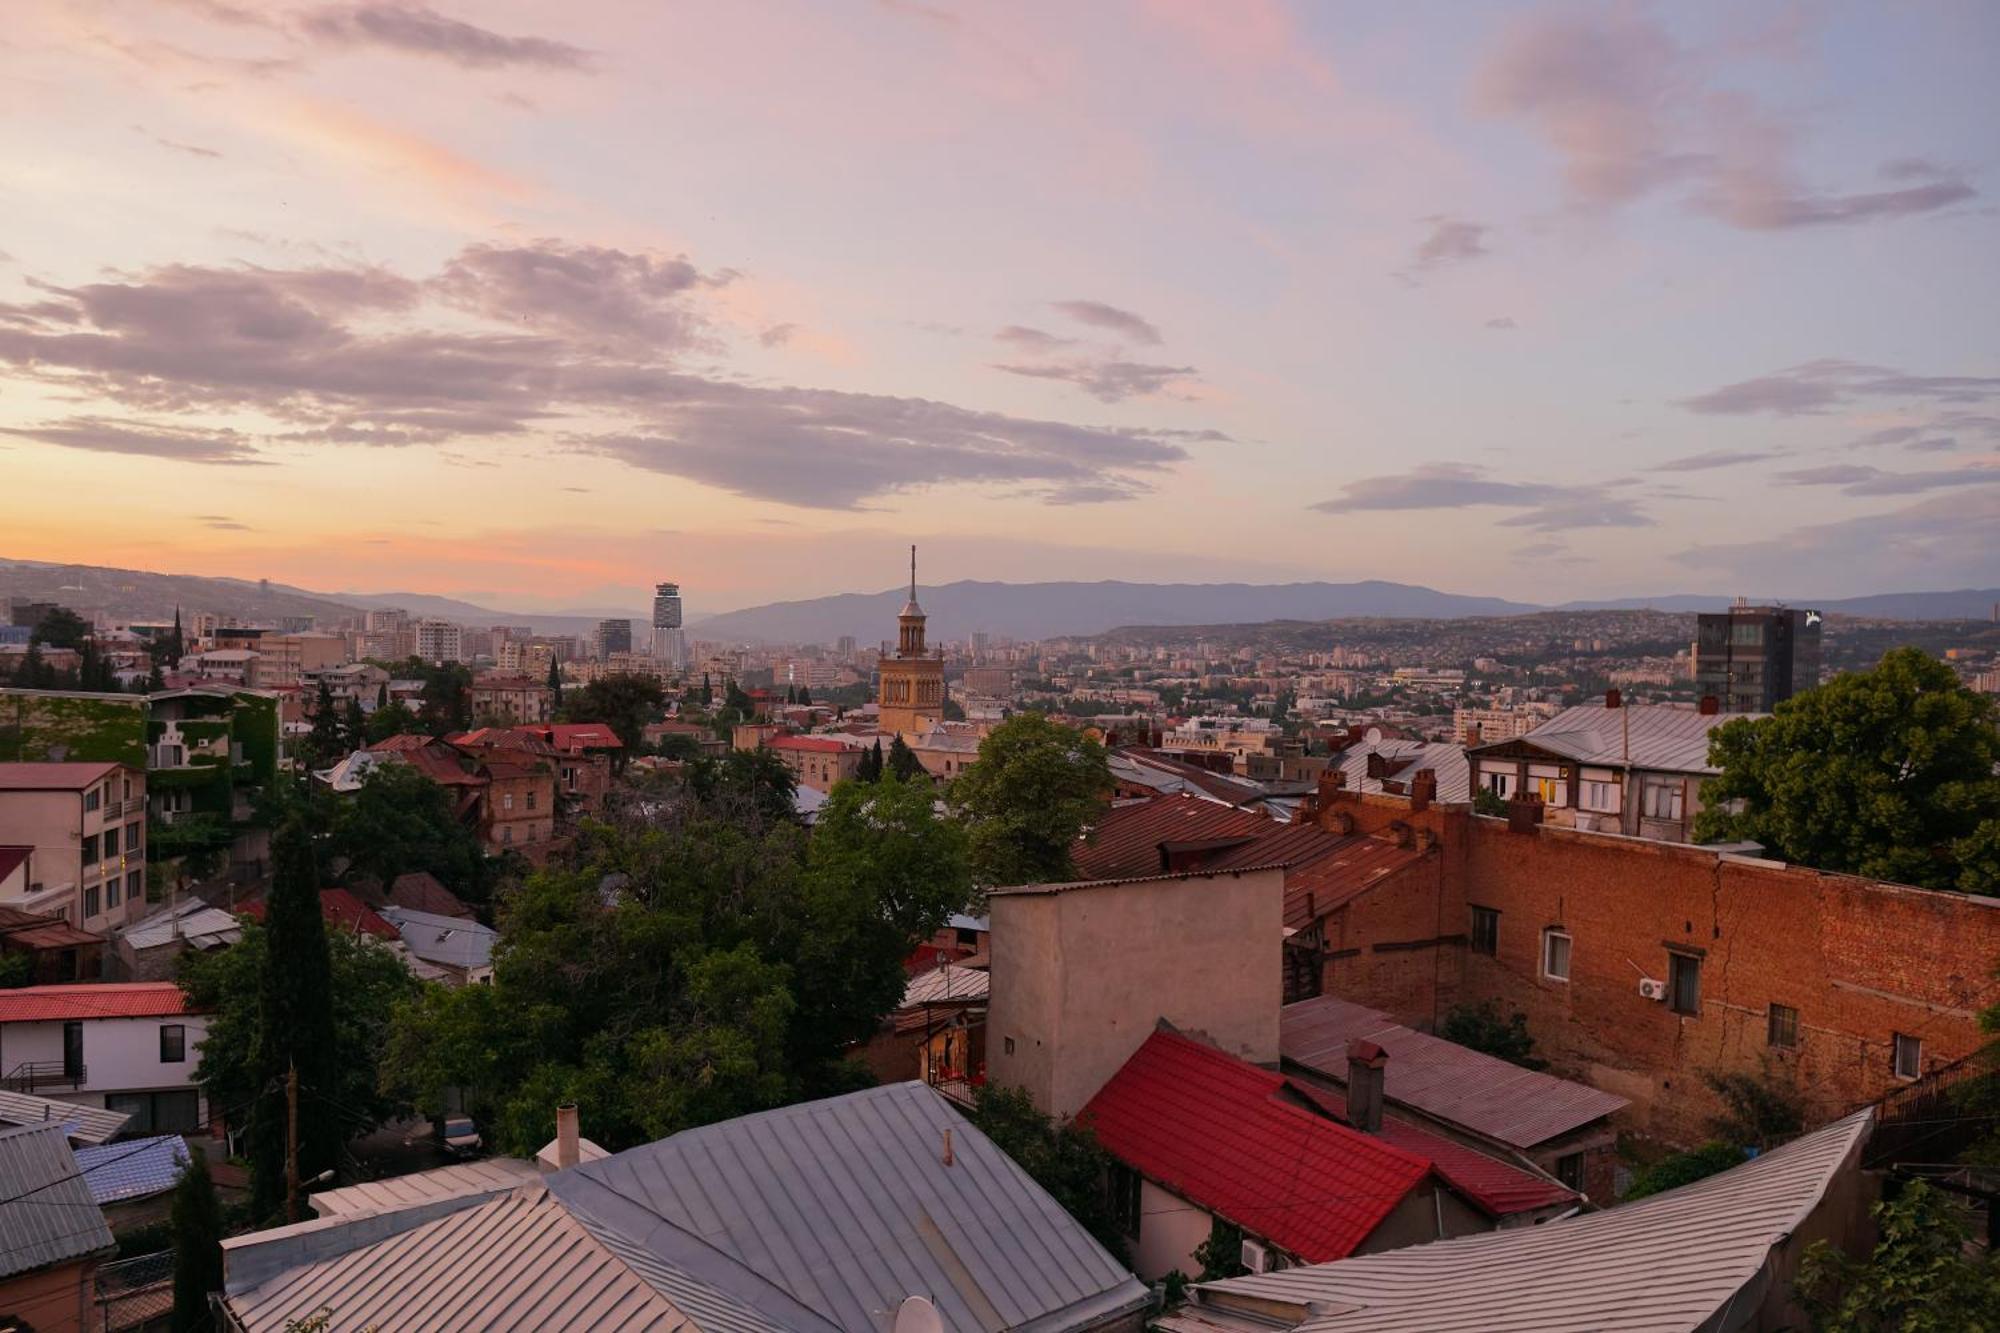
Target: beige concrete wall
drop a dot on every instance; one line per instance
(1170, 1230)
(1083, 974)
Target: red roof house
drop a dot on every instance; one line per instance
(97, 999)
(341, 911)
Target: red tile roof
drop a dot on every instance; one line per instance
(124, 999)
(53, 777)
(581, 736)
(813, 745)
(1500, 1189)
(1219, 1132)
(341, 910)
(421, 891)
(407, 740)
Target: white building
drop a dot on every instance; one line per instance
(126, 1046)
(440, 641)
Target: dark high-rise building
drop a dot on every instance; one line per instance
(613, 636)
(1750, 658)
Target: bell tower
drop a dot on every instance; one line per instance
(911, 697)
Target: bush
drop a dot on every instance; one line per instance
(1684, 1168)
(1480, 1027)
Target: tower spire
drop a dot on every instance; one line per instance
(913, 572)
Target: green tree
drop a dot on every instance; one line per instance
(353, 726)
(555, 683)
(1033, 790)
(707, 692)
(1481, 1027)
(61, 628)
(805, 696)
(155, 678)
(904, 765)
(871, 768)
(324, 738)
(1684, 1168)
(394, 719)
(1888, 773)
(757, 777)
(447, 695)
(196, 1219)
(400, 821)
(625, 703)
(1221, 1255)
(176, 641)
(1920, 1278)
(1760, 1111)
(1062, 1157)
(1486, 801)
(295, 1028)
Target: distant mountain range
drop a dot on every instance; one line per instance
(956, 610)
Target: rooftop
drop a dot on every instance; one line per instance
(54, 777)
(1643, 735)
(84, 1124)
(93, 999)
(46, 1213)
(133, 1168)
(485, 1176)
(1450, 1083)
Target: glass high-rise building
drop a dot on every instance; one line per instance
(668, 642)
(1751, 658)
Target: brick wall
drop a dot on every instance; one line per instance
(1860, 961)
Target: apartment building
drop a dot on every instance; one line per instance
(283, 659)
(83, 826)
(440, 641)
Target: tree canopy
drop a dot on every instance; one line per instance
(1918, 1279)
(1036, 786)
(1888, 773)
(196, 1218)
(61, 628)
(625, 703)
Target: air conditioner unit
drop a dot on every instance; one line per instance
(1256, 1257)
(1650, 989)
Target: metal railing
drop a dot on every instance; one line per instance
(136, 1293)
(1936, 1118)
(34, 1075)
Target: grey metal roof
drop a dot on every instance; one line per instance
(202, 926)
(1444, 758)
(49, 1216)
(1692, 1260)
(1663, 737)
(519, 1261)
(485, 1176)
(828, 1214)
(941, 985)
(133, 1169)
(85, 1124)
(451, 940)
(1446, 1081)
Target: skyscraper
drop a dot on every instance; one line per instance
(613, 636)
(1750, 658)
(668, 642)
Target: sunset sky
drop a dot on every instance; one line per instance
(536, 304)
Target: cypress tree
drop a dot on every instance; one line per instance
(871, 764)
(176, 642)
(555, 684)
(294, 1025)
(903, 761)
(354, 725)
(325, 735)
(805, 694)
(197, 1228)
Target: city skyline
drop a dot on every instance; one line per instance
(524, 308)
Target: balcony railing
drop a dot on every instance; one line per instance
(39, 1075)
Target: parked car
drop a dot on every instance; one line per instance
(457, 1136)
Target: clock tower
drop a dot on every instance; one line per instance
(912, 689)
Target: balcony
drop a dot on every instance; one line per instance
(39, 1076)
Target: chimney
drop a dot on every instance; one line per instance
(1472, 733)
(1524, 814)
(1710, 705)
(1378, 765)
(1365, 1061)
(1405, 836)
(1423, 789)
(567, 1152)
(947, 1146)
(1612, 699)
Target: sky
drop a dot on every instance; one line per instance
(539, 304)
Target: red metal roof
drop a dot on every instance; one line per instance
(407, 740)
(123, 999)
(1497, 1187)
(421, 891)
(582, 736)
(53, 777)
(1219, 1132)
(813, 745)
(340, 909)
(1126, 840)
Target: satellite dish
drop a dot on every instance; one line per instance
(1374, 736)
(917, 1315)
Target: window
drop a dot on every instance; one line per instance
(110, 843)
(1909, 1057)
(1598, 797)
(135, 838)
(173, 1043)
(92, 799)
(1552, 791)
(1485, 931)
(176, 1112)
(1660, 798)
(531, 800)
(1008, 1044)
(1684, 983)
(1555, 954)
(1499, 783)
(135, 885)
(111, 887)
(1123, 1184)
(1783, 1028)
(507, 801)
(1569, 1170)
(507, 833)
(90, 850)
(93, 902)
(73, 1050)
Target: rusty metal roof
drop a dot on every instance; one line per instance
(1126, 841)
(1696, 1259)
(1448, 1082)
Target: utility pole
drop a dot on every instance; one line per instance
(292, 1143)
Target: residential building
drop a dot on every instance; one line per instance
(612, 636)
(439, 641)
(55, 1234)
(1476, 726)
(947, 749)
(1635, 769)
(56, 951)
(911, 682)
(85, 827)
(819, 761)
(85, 1126)
(283, 659)
(1752, 658)
(825, 1216)
(225, 666)
(509, 700)
(209, 751)
(462, 948)
(1718, 1256)
(126, 1046)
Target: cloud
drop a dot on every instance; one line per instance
(1819, 386)
(1630, 112)
(147, 439)
(1546, 507)
(574, 342)
(1031, 340)
(222, 523)
(1451, 241)
(1944, 540)
(191, 150)
(1541, 550)
(777, 335)
(1111, 319)
(416, 30)
(1503, 322)
(1713, 459)
(1857, 479)
(1107, 381)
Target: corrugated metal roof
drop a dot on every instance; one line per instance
(519, 1262)
(487, 1175)
(202, 926)
(946, 985)
(1219, 1132)
(1692, 1259)
(96, 999)
(86, 1124)
(133, 1169)
(450, 940)
(1448, 1082)
(1672, 739)
(1125, 841)
(827, 1214)
(1447, 760)
(48, 1216)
